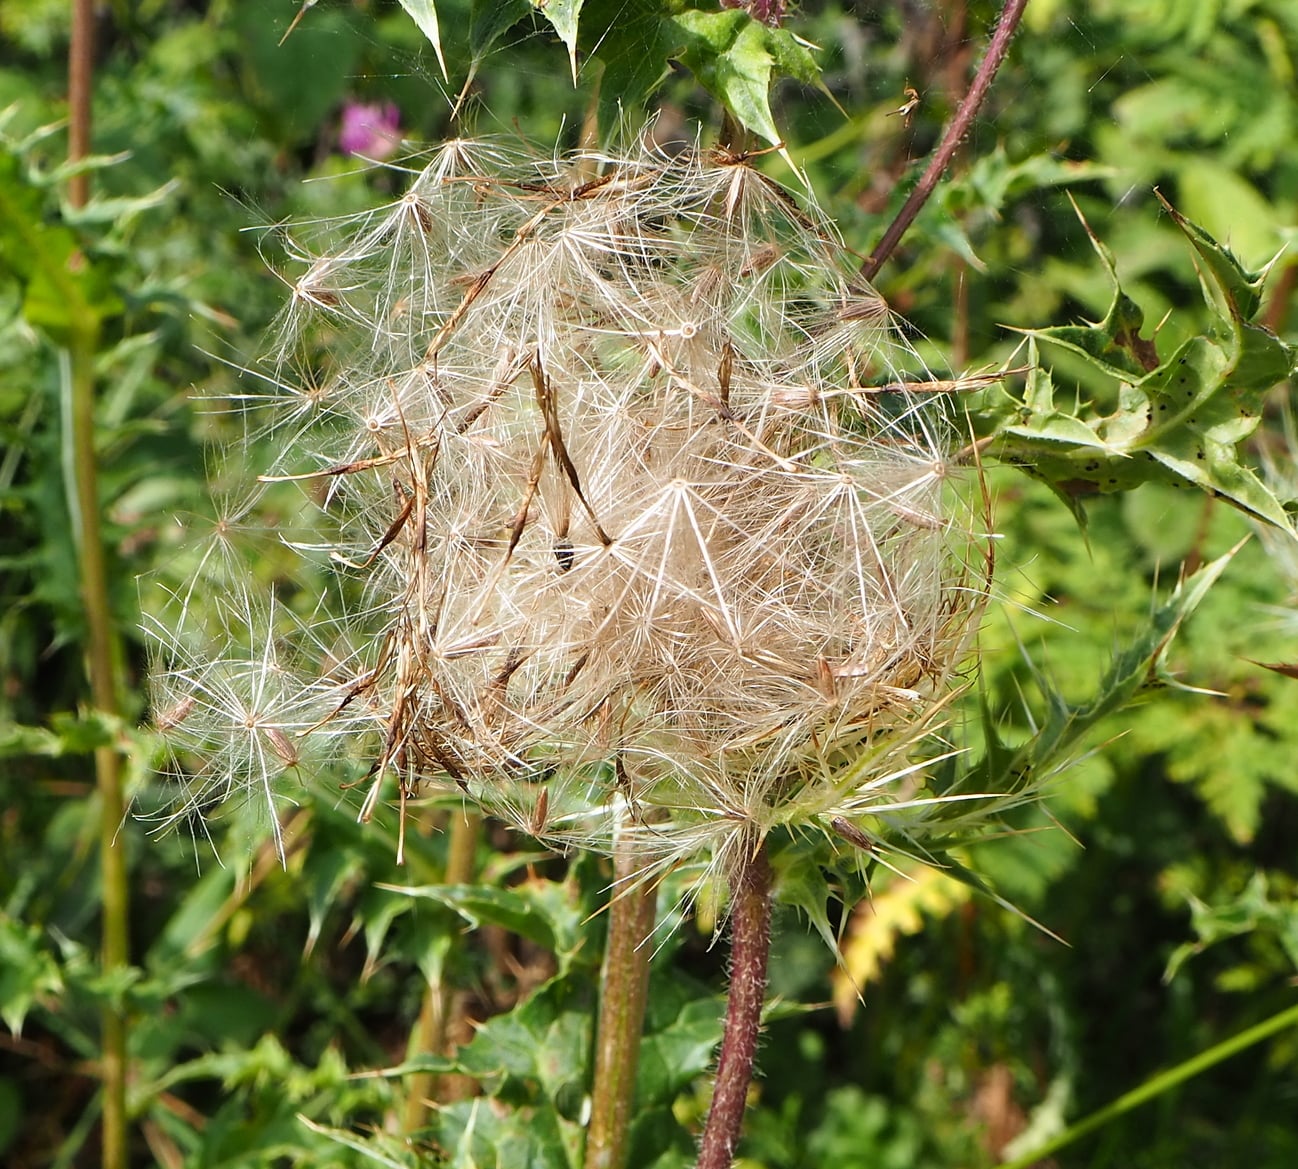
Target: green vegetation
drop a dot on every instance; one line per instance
(1077, 928)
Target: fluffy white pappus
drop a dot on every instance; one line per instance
(239, 703)
(641, 509)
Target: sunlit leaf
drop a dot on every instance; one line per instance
(735, 58)
(424, 14)
(1179, 420)
(1063, 725)
(65, 294)
(563, 16)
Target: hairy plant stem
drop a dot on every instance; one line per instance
(115, 948)
(81, 70)
(750, 946)
(624, 990)
(431, 1029)
(959, 126)
(101, 660)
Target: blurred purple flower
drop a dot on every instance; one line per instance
(370, 130)
(767, 11)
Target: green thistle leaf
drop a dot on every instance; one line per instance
(65, 295)
(734, 58)
(563, 16)
(1178, 421)
(1065, 725)
(424, 14)
(489, 21)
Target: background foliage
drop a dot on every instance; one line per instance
(272, 1006)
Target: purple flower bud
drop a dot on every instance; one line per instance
(370, 130)
(766, 11)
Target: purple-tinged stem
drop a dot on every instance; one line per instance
(750, 947)
(81, 67)
(968, 109)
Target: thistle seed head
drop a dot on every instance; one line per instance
(596, 439)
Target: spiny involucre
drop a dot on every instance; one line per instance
(604, 441)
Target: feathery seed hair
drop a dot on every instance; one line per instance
(604, 443)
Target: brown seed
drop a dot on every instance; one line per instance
(175, 714)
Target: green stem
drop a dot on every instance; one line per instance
(750, 947)
(100, 660)
(115, 947)
(430, 1030)
(1158, 1084)
(624, 990)
(115, 936)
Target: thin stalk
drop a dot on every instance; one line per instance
(431, 1028)
(959, 126)
(750, 946)
(81, 71)
(624, 990)
(960, 316)
(80, 383)
(115, 945)
(1157, 1085)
